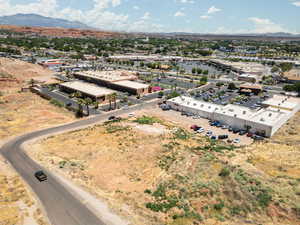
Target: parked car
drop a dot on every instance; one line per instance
(235, 130)
(40, 175)
(200, 130)
(195, 127)
(131, 114)
(209, 133)
(230, 129)
(249, 134)
(225, 127)
(258, 138)
(219, 125)
(229, 141)
(236, 141)
(242, 132)
(214, 137)
(224, 136)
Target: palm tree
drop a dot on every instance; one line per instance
(110, 97)
(88, 102)
(114, 98)
(80, 107)
(77, 94)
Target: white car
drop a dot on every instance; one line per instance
(209, 133)
(236, 141)
(200, 130)
(131, 114)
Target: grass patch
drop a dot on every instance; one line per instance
(147, 120)
(57, 103)
(182, 134)
(116, 128)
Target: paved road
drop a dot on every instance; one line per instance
(61, 206)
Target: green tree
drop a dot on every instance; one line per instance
(231, 86)
(88, 102)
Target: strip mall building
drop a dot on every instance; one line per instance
(266, 120)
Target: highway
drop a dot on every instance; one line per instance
(62, 207)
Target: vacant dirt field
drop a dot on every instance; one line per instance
(17, 207)
(21, 112)
(152, 171)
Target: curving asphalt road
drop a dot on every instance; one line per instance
(61, 206)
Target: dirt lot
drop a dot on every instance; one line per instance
(17, 207)
(153, 171)
(187, 122)
(22, 112)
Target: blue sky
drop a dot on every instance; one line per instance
(200, 16)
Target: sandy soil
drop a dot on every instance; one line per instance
(117, 162)
(22, 112)
(17, 207)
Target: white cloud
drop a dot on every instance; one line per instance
(179, 14)
(146, 16)
(205, 17)
(136, 7)
(266, 26)
(213, 9)
(185, 1)
(261, 25)
(100, 16)
(296, 4)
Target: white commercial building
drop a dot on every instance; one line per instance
(266, 120)
(86, 89)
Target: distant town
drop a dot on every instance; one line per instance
(167, 107)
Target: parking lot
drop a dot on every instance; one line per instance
(224, 96)
(187, 122)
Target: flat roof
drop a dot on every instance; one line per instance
(196, 104)
(283, 102)
(269, 116)
(88, 88)
(110, 76)
(131, 84)
(241, 112)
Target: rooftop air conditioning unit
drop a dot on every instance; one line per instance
(270, 114)
(195, 104)
(244, 112)
(235, 115)
(262, 119)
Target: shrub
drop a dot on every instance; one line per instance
(224, 172)
(56, 103)
(264, 198)
(219, 206)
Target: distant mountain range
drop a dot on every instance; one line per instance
(34, 20)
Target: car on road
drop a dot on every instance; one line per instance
(214, 137)
(111, 118)
(236, 141)
(40, 175)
